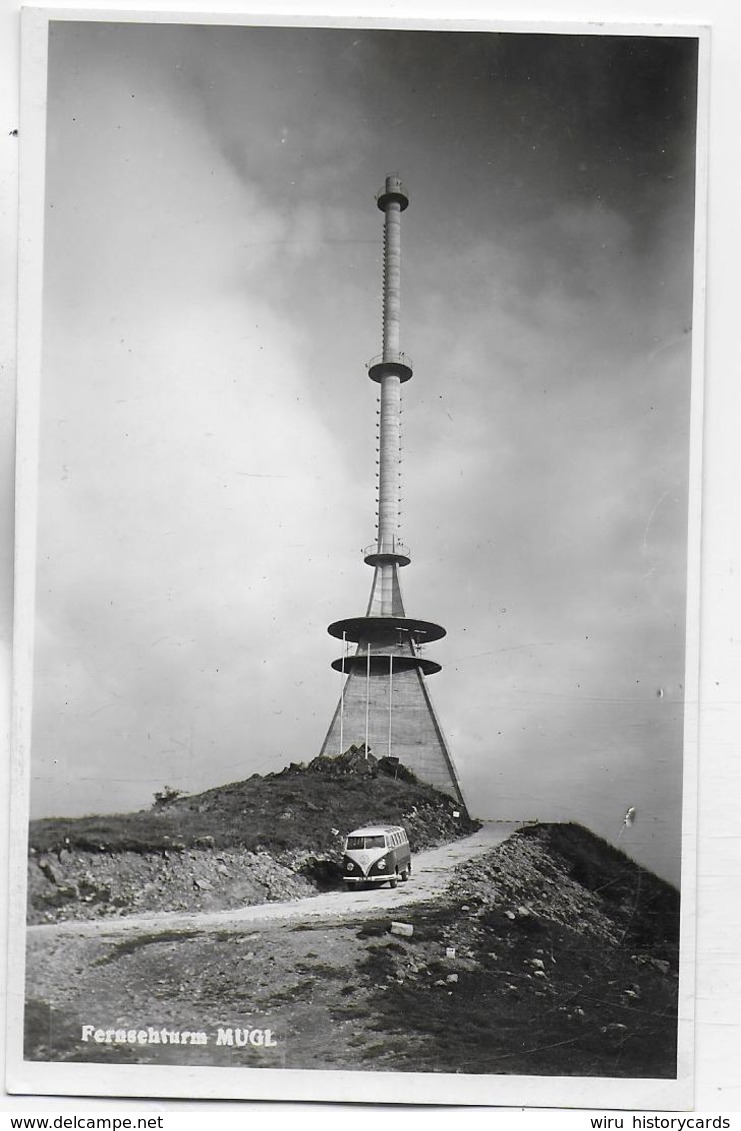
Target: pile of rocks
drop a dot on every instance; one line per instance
(85, 885)
(522, 880)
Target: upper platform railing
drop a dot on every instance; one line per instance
(393, 361)
(388, 549)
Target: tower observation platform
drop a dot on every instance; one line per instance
(385, 704)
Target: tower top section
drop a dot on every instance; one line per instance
(393, 191)
(392, 200)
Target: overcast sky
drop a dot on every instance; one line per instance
(212, 293)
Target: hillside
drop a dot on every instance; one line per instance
(554, 954)
(271, 837)
(565, 962)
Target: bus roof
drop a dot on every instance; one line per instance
(374, 830)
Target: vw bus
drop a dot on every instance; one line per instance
(377, 854)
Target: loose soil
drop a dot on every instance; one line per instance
(517, 963)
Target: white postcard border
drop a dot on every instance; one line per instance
(292, 1084)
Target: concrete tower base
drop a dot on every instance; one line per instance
(403, 700)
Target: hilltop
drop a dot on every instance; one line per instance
(270, 837)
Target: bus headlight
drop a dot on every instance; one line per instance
(349, 865)
(381, 865)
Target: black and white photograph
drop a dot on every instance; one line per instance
(357, 678)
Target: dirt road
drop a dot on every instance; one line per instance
(475, 988)
(432, 870)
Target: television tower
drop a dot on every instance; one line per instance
(384, 703)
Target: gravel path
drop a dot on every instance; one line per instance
(432, 870)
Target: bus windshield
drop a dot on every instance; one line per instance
(356, 842)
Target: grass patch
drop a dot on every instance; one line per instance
(551, 1002)
(301, 991)
(378, 964)
(132, 945)
(644, 906)
(51, 1034)
(373, 1051)
(322, 970)
(373, 929)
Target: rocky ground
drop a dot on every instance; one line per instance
(553, 954)
(85, 885)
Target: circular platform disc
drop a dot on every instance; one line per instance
(361, 629)
(380, 664)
